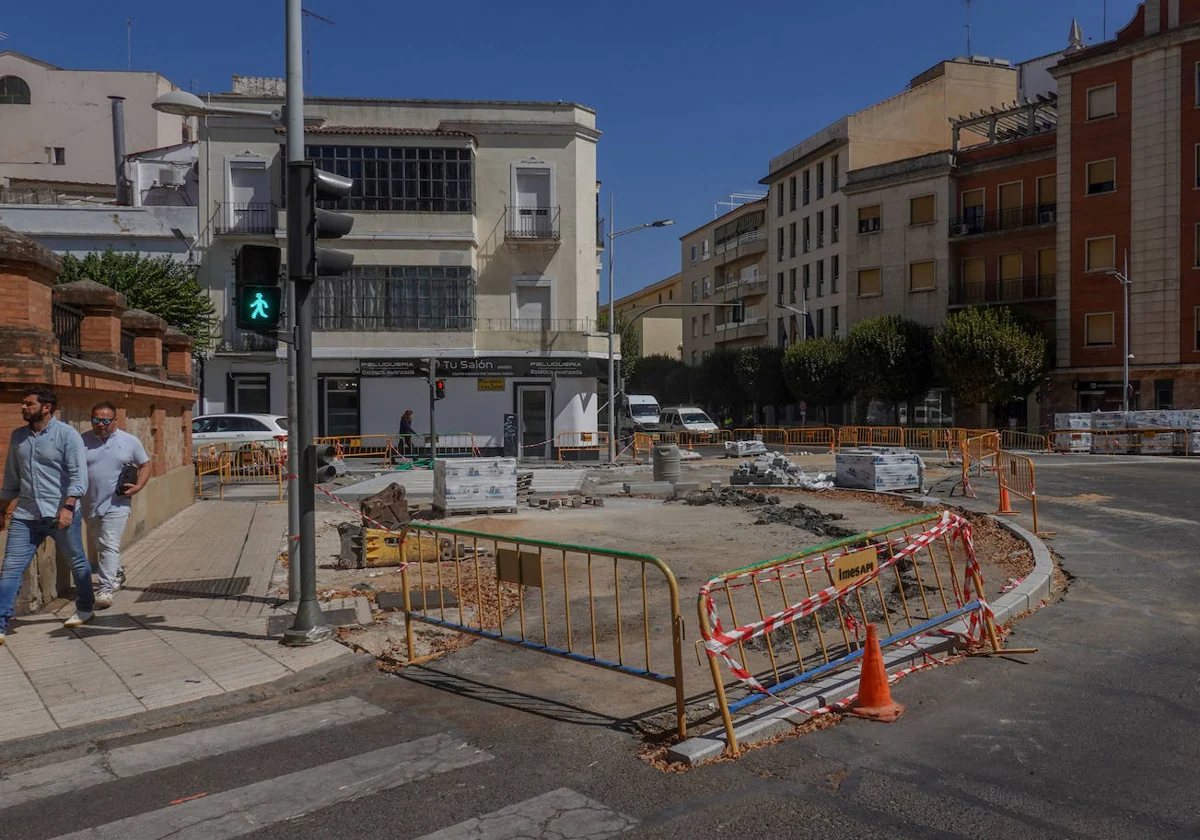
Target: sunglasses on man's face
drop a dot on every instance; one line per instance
(103, 421)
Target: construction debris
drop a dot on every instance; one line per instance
(742, 448)
(771, 511)
(774, 470)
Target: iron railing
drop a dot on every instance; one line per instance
(741, 239)
(253, 217)
(531, 223)
(1016, 290)
(68, 327)
(127, 340)
(971, 223)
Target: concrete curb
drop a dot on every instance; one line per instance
(770, 722)
(340, 668)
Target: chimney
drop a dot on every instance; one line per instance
(118, 124)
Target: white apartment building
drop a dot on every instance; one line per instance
(475, 243)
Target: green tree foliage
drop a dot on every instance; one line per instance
(816, 371)
(159, 285)
(718, 386)
(890, 359)
(659, 376)
(631, 345)
(760, 373)
(991, 355)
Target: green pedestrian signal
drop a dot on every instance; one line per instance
(258, 308)
(257, 293)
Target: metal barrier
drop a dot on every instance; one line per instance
(700, 440)
(977, 453)
(843, 589)
(926, 438)
(483, 571)
(770, 436)
(1141, 441)
(1015, 474)
(382, 447)
(449, 445)
(812, 436)
(252, 463)
(870, 436)
(581, 442)
(1070, 440)
(1025, 441)
(207, 459)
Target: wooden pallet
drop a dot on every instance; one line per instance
(479, 511)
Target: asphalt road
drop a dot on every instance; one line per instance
(1097, 735)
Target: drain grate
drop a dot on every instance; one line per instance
(212, 588)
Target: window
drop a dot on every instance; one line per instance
(833, 169)
(1011, 271)
(820, 277)
(791, 287)
(670, 294)
(1196, 82)
(13, 91)
(921, 276)
(779, 245)
(431, 180)
(807, 279)
(792, 193)
(695, 291)
(1196, 325)
(397, 297)
(1196, 166)
(1101, 176)
(705, 323)
(1098, 329)
(807, 234)
(779, 199)
(249, 393)
(705, 253)
(56, 155)
(1196, 247)
(1164, 394)
(706, 286)
(695, 357)
(821, 180)
(781, 332)
(1047, 198)
(819, 323)
(695, 326)
(921, 210)
(834, 326)
(868, 282)
(1101, 102)
(835, 273)
(972, 210)
(868, 219)
(974, 278)
(1009, 199)
(821, 229)
(693, 255)
(805, 179)
(779, 293)
(835, 223)
(660, 297)
(1047, 268)
(1101, 253)
(792, 239)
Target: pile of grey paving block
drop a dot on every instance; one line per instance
(742, 448)
(774, 470)
(1083, 424)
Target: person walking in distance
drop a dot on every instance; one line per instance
(118, 468)
(46, 475)
(406, 433)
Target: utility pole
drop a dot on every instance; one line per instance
(432, 409)
(293, 458)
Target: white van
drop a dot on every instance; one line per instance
(639, 413)
(686, 418)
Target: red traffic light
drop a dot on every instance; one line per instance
(439, 389)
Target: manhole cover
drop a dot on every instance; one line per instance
(205, 588)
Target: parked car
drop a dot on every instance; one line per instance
(685, 418)
(638, 413)
(236, 429)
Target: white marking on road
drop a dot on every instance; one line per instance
(560, 814)
(125, 762)
(241, 811)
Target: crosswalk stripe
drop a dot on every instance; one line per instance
(125, 762)
(243, 810)
(560, 814)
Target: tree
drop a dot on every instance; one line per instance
(159, 285)
(816, 371)
(654, 376)
(631, 345)
(718, 387)
(991, 355)
(890, 359)
(760, 373)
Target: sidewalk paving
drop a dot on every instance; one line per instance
(194, 620)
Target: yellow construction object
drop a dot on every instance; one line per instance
(384, 548)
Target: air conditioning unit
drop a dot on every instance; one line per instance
(170, 177)
(1045, 217)
(958, 230)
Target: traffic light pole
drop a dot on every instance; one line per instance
(309, 626)
(432, 409)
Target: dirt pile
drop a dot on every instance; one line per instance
(771, 511)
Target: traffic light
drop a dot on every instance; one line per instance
(737, 312)
(307, 261)
(257, 294)
(320, 462)
(439, 389)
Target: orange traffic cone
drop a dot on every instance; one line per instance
(874, 700)
(1005, 505)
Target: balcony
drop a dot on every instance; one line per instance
(753, 328)
(254, 218)
(742, 245)
(532, 225)
(1000, 292)
(997, 221)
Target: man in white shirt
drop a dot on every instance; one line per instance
(107, 502)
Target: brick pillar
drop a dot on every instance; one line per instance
(28, 348)
(178, 347)
(102, 308)
(148, 331)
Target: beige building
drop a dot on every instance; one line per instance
(660, 333)
(56, 135)
(809, 220)
(723, 261)
(474, 242)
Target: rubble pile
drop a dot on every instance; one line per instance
(774, 470)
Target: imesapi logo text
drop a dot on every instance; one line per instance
(854, 572)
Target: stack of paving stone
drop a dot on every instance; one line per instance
(773, 470)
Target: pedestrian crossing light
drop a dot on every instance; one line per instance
(257, 294)
(439, 389)
(320, 463)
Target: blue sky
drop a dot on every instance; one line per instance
(693, 97)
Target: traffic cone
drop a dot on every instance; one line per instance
(1005, 508)
(874, 701)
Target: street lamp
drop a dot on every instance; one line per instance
(1123, 278)
(184, 104)
(612, 388)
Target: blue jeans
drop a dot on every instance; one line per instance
(24, 538)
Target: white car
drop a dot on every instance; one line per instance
(236, 429)
(685, 418)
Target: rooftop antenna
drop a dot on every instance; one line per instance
(128, 44)
(308, 43)
(968, 28)
(736, 200)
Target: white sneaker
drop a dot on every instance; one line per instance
(1, 638)
(120, 580)
(79, 619)
(104, 599)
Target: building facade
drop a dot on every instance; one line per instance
(723, 261)
(474, 242)
(660, 332)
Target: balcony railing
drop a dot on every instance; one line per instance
(531, 224)
(1011, 218)
(989, 292)
(537, 325)
(247, 218)
(739, 240)
(68, 327)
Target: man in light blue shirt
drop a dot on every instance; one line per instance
(46, 474)
(107, 503)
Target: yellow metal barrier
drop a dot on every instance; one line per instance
(208, 464)
(914, 578)
(382, 447)
(1015, 474)
(581, 442)
(695, 440)
(770, 436)
(573, 601)
(1025, 441)
(1141, 441)
(870, 436)
(979, 453)
(252, 464)
(812, 436)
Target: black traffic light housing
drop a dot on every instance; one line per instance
(258, 297)
(307, 261)
(439, 389)
(319, 459)
(737, 312)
